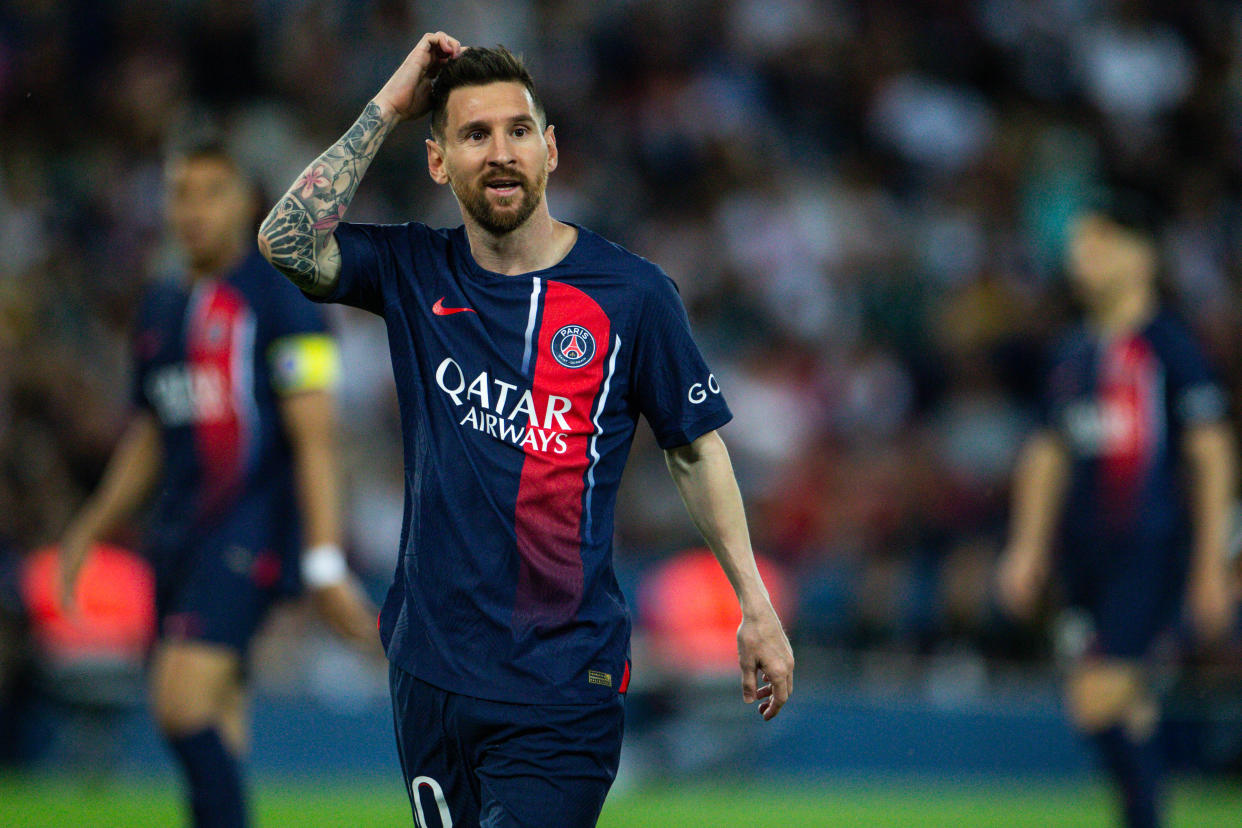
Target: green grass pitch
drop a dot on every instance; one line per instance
(55, 802)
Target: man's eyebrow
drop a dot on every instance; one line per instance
(471, 126)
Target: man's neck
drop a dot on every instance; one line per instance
(539, 243)
(1130, 312)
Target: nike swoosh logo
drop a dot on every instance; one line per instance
(439, 310)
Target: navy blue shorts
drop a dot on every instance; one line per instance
(218, 595)
(1131, 593)
(471, 762)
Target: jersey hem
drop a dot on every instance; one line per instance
(687, 436)
(542, 697)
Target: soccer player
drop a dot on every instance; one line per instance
(524, 349)
(1135, 462)
(233, 428)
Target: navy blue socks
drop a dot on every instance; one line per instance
(214, 780)
(1136, 768)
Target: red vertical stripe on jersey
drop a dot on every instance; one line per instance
(218, 332)
(548, 517)
(1130, 414)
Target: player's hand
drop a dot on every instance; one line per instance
(349, 613)
(1211, 605)
(407, 94)
(74, 547)
(1019, 580)
(764, 653)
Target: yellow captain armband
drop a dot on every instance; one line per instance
(304, 362)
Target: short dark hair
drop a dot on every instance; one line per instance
(1128, 206)
(477, 67)
(199, 147)
(208, 148)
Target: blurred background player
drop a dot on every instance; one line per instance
(233, 432)
(1135, 462)
(524, 349)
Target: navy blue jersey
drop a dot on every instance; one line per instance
(212, 360)
(519, 397)
(1122, 407)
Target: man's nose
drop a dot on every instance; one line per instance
(502, 152)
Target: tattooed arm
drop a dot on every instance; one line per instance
(297, 235)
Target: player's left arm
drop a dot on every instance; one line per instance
(1209, 451)
(309, 419)
(704, 477)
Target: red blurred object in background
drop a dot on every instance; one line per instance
(115, 615)
(688, 607)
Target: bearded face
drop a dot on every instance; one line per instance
(496, 154)
(501, 201)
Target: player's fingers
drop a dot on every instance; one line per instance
(771, 707)
(68, 601)
(68, 581)
(1212, 619)
(763, 692)
(448, 45)
(428, 51)
(1004, 591)
(750, 681)
(781, 686)
(1011, 594)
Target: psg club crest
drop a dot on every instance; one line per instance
(573, 346)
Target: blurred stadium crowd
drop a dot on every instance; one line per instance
(863, 204)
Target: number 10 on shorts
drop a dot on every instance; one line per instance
(416, 786)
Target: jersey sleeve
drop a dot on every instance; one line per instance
(672, 385)
(301, 353)
(139, 347)
(1046, 402)
(137, 384)
(1196, 395)
(367, 262)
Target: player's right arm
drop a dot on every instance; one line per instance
(134, 467)
(297, 235)
(1038, 494)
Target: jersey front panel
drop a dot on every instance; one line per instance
(1122, 408)
(211, 363)
(519, 397)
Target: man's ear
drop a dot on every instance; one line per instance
(435, 162)
(549, 135)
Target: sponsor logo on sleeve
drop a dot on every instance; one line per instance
(701, 390)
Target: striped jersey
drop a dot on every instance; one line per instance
(519, 397)
(1121, 406)
(212, 361)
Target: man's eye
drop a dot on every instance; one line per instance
(477, 135)
(521, 132)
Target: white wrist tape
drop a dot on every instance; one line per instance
(323, 566)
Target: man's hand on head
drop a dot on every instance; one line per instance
(407, 94)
